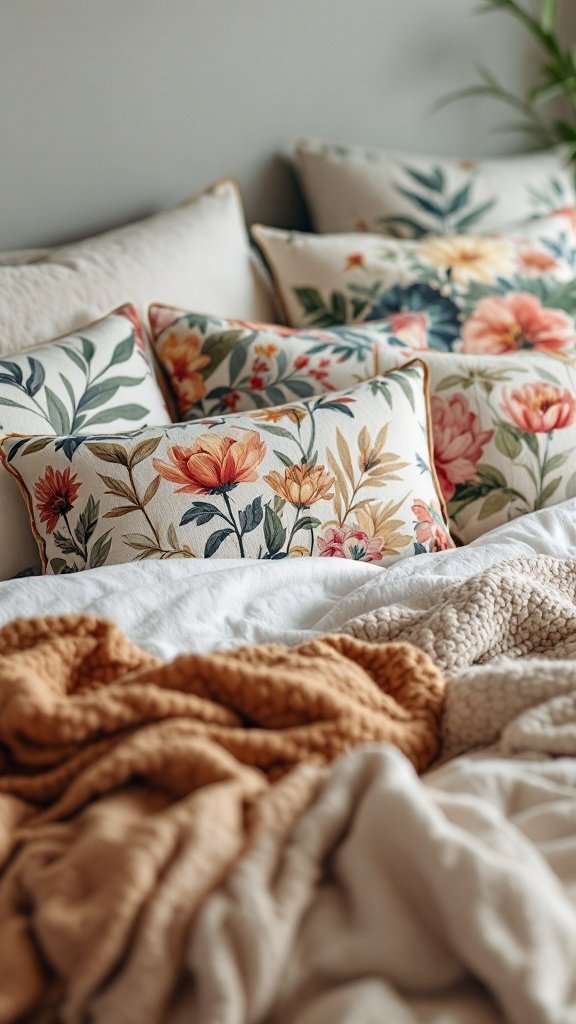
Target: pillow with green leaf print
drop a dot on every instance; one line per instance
(217, 366)
(470, 293)
(96, 379)
(343, 475)
(408, 195)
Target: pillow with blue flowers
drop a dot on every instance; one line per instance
(97, 379)
(470, 293)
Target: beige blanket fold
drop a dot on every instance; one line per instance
(129, 788)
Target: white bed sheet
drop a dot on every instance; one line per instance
(175, 606)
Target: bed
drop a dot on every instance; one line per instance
(287, 607)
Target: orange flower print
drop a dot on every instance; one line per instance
(294, 413)
(55, 494)
(539, 408)
(361, 225)
(302, 485)
(183, 359)
(268, 350)
(518, 320)
(458, 443)
(214, 464)
(568, 213)
(355, 260)
(537, 262)
(429, 527)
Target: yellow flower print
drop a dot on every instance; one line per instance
(302, 485)
(468, 259)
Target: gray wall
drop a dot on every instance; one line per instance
(110, 109)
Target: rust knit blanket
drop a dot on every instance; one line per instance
(129, 788)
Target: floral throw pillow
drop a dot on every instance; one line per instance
(469, 293)
(217, 366)
(98, 379)
(504, 431)
(344, 475)
(408, 195)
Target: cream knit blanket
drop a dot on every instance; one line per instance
(506, 640)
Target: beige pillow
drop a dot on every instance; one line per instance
(353, 188)
(196, 255)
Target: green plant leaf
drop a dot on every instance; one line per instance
(507, 442)
(123, 350)
(100, 550)
(87, 521)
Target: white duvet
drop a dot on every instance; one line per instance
(479, 930)
(174, 606)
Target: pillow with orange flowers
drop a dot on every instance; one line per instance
(343, 475)
(217, 366)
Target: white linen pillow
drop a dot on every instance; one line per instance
(196, 255)
(353, 188)
(94, 381)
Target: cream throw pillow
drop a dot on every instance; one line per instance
(353, 188)
(196, 255)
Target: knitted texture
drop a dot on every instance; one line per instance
(129, 788)
(507, 642)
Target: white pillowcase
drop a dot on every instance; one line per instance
(353, 188)
(196, 255)
(17, 257)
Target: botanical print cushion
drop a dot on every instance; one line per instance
(504, 431)
(472, 293)
(342, 475)
(96, 380)
(196, 255)
(217, 366)
(351, 188)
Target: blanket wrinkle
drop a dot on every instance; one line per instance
(432, 895)
(130, 788)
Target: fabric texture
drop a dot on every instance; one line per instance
(504, 426)
(99, 379)
(196, 255)
(217, 366)
(504, 430)
(85, 713)
(345, 475)
(354, 188)
(471, 293)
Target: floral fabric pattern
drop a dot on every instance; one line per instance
(91, 381)
(475, 294)
(217, 366)
(405, 195)
(504, 431)
(342, 475)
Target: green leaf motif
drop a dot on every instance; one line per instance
(507, 442)
(251, 516)
(87, 521)
(57, 413)
(123, 350)
(215, 540)
(274, 532)
(495, 502)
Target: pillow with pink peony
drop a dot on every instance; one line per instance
(217, 366)
(342, 475)
(504, 431)
(474, 294)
